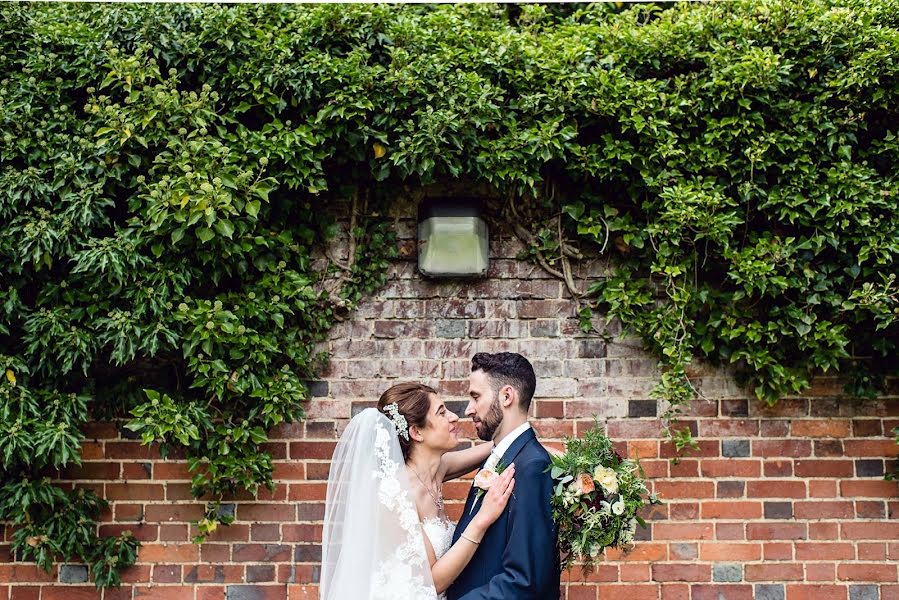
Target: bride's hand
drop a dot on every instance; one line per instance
(496, 498)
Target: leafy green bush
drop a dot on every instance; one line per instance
(171, 177)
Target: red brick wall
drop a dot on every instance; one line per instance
(778, 503)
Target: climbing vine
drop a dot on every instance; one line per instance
(192, 195)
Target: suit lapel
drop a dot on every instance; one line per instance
(520, 442)
(466, 512)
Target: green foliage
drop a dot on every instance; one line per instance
(52, 524)
(171, 176)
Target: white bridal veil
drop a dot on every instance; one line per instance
(372, 545)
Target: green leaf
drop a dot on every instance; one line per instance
(205, 234)
(224, 227)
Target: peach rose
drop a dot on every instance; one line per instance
(584, 484)
(485, 478)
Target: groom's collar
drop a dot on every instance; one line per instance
(506, 442)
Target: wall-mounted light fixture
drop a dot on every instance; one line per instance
(453, 240)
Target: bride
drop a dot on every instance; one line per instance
(386, 533)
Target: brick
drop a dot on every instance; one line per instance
(93, 471)
(823, 468)
(781, 448)
(774, 429)
(204, 574)
(868, 489)
(770, 591)
(683, 511)
(730, 531)
(875, 551)
(730, 489)
(134, 491)
(778, 468)
(719, 592)
(774, 572)
(866, 572)
(261, 553)
(820, 571)
(877, 448)
(256, 592)
(729, 428)
(776, 489)
(73, 574)
(684, 489)
(642, 408)
(837, 428)
(162, 592)
(727, 572)
(169, 553)
(776, 531)
(824, 510)
(260, 573)
(674, 591)
(829, 448)
(815, 592)
(863, 592)
(778, 510)
(613, 591)
(684, 468)
(683, 531)
(822, 551)
(721, 551)
(706, 449)
(735, 448)
(731, 510)
(867, 428)
(823, 530)
(166, 574)
(159, 513)
(870, 509)
(70, 593)
(730, 467)
(777, 551)
(883, 530)
(683, 551)
(681, 572)
(869, 468)
(141, 470)
(210, 592)
(822, 489)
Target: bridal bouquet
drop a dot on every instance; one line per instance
(596, 498)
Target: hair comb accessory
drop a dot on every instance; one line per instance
(399, 421)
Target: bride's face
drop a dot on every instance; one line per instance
(442, 431)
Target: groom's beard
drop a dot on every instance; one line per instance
(491, 423)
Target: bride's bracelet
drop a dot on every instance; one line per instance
(463, 536)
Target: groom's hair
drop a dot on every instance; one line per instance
(413, 401)
(508, 368)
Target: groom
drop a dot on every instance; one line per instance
(518, 557)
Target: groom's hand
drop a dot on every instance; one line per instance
(496, 498)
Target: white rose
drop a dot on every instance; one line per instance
(618, 508)
(607, 478)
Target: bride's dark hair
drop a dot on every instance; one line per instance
(413, 400)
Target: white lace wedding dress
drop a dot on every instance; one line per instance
(440, 534)
(372, 545)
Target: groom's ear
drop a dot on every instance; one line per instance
(508, 396)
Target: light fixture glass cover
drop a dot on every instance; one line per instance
(453, 239)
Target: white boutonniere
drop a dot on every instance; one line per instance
(485, 478)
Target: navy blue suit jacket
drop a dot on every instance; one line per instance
(518, 558)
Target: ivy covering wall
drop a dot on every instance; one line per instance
(171, 177)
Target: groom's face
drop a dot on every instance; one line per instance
(484, 407)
